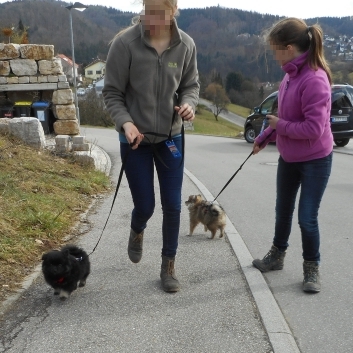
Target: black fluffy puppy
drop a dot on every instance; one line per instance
(64, 269)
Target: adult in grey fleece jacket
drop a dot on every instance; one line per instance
(142, 87)
(151, 82)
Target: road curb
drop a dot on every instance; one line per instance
(279, 333)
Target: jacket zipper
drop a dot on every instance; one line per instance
(159, 70)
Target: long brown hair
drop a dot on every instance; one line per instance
(295, 31)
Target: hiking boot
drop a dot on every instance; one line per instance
(169, 281)
(273, 260)
(134, 248)
(311, 282)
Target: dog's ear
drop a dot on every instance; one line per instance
(44, 257)
(66, 252)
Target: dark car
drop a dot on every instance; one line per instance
(341, 115)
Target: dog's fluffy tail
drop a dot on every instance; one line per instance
(74, 250)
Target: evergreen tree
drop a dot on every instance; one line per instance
(234, 81)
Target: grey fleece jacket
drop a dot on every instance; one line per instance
(140, 85)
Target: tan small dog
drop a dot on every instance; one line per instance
(211, 215)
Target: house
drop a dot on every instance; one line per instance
(95, 69)
(67, 65)
(99, 86)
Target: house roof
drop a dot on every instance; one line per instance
(95, 62)
(68, 60)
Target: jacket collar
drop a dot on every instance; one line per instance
(176, 37)
(293, 67)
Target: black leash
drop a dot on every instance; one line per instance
(252, 152)
(116, 193)
(228, 182)
(183, 151)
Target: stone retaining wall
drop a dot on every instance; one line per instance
(32, 67)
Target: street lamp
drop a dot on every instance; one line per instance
(80, 7)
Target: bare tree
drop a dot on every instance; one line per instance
(217, 95)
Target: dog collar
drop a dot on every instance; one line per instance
(60, 280)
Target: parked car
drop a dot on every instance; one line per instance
(81, 91)
(341, 115)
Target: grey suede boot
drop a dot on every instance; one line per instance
(311, 282)
(169, 281)
(134, 248)
(273, 260)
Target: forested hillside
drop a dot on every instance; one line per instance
(227, 40)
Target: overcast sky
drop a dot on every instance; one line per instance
(299, 8)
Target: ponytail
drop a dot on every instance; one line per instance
(316, 56)
(295, 31)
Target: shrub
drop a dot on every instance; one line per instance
(93, 112)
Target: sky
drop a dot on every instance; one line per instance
(300, 8)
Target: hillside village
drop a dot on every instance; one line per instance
(339, 47)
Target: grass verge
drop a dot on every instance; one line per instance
(206, 124)
(239, 110)
(41, 199)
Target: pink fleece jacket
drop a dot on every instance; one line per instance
(303, 132)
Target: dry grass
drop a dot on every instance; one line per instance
(41, 199)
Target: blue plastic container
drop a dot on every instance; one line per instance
(41, 112)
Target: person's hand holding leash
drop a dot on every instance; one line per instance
(272, 121)
(256, 148)
(186, 112)
(133, 136)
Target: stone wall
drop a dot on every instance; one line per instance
(33, 68)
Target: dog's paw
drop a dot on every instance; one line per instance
(82, 283)
(56, 291)
(64, 295)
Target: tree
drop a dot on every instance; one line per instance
(17, 35)
(7, 31)
(21, 27)
(217, 95)
(234, 81)
(216, 77)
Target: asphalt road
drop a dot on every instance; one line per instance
(320, 323)
(122, 309)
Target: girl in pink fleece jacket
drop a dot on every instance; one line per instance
(304, 140)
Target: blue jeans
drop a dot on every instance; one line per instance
(312, 176)
(139, 171)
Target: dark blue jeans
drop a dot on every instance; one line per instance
(312, 177)
(139, 172)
